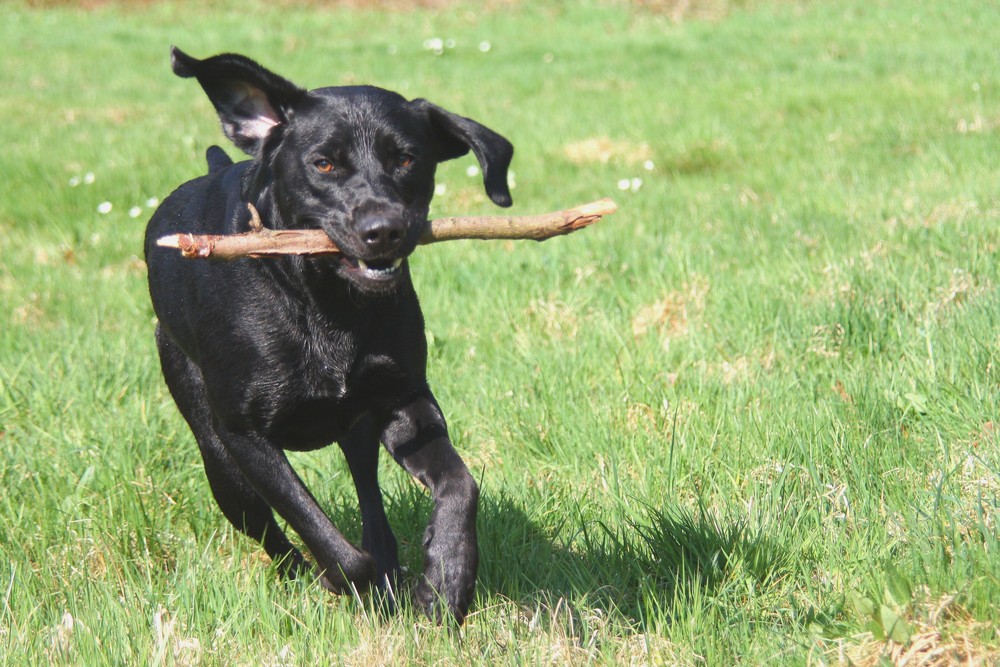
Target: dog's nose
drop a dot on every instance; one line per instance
(381, 234)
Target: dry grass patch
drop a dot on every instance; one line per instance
(737, 369)
(961, 288)
(550, 318)
(673, 315)
(603, 150)
(944, 635)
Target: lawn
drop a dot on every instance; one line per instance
(752, 418)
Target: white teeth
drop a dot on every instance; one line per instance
(389, 270)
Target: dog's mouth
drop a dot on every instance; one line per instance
(374, 272)
(371, 263)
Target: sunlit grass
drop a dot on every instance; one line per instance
(727, 425)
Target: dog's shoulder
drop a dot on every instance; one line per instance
(203, 205)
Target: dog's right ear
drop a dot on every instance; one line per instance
(251, 101)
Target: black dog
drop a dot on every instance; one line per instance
(267, 355)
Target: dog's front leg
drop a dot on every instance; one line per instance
(272, 476)
(417, 438)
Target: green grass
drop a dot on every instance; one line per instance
(752, 418)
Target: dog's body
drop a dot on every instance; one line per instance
(263, 356)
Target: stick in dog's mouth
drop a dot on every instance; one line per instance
(263, 242)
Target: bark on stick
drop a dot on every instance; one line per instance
(262, 242)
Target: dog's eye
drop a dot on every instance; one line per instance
(405, 160)
(324, 165)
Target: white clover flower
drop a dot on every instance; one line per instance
(89, 178)
(152, 202)
(629, 184)
(74, 181)
(439, 189)
(472, 171)
(134, 212)
(449, 43)
(648, 165)
(435, 45)
(511, 180)
(104, 207)
(485, 46)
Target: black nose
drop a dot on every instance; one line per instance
(381, 234)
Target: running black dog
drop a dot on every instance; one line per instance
(292, 353)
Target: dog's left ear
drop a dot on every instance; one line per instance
(251, 101)
(455, 135)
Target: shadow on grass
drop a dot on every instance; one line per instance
(650, 565)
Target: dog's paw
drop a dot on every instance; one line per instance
(446, 590)
(356, 575)
(327, 584)
(445, 601)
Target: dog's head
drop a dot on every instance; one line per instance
(357, 162)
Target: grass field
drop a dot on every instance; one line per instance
(753, 418)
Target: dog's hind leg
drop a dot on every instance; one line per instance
(361, 449)
(239, 502)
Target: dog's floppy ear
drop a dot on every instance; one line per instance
(250, 100)
(455, 135)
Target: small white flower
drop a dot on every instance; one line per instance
(392, 50)
(648, 165)
(449, 44)
(472, 171)
(152, 202)
(511, 180)
(74, 181)
(435, 45)
(89, 177)
(485, 46)
(104, 207)
(134, 212)
(630, 184)
(548, 58)
(439, 189)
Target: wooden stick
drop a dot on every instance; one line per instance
(262, 242)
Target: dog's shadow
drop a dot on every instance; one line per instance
(647, 565)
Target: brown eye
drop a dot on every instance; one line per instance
(323, 165)
(405, 160)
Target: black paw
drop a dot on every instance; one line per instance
(445, 604)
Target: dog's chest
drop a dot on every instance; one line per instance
(334, 379)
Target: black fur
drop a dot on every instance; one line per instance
(267, 355)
